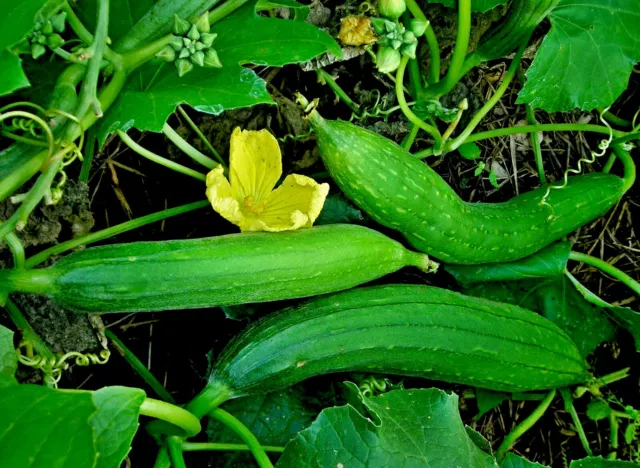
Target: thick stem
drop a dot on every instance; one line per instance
(159, 159)
(140, 368)
(335, 87)
(413, 118)
(224, 10)
(212, 396)
(606, 268)
(614, 427)
(135, 58)
(174, 444)
(187, 149)
(408, 141)
(534, 137)
(113, 231)
(213, 446)
(475, 121)
(629, 176)
(172, 414)
(89, 152)
(17, 250)
(524, 426)
(28, 333)
(455, 70)
(245, 434)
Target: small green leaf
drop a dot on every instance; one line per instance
(514, 461)
(549, 262)
(12, 77)
(43, 428)
(599, 462)
(338, 210)
(598, 409)
(493, 179)
(630, 433)
(402, 428)
(470, 151)
(8, 357)
(477, 6)
(478, 439)
(586, 59)
(488, 400)
(115, 423)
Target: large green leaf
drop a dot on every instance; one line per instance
(123, 15)
(514, 461)
(43, 428)
(8, 357)
(403, 428)
(599, 462)
(115, 423)
(586, 59)
(12, 77)
(243, 37)
(625, 317)
(274, 418)
(547, 263)
(558, 301)
(478, 6)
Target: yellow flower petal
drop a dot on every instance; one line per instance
(220, 195)
(295, 204)
(255, 165)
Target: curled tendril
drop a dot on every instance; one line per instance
(376, 110)
(292, 137)
(24, 115)
(52, 367)
(371, 385)
(603, 146)
(365, 7)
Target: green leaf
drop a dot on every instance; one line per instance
(274, 419)
(558, 301)
(43, 428)
(477, 6)
(6, 381)
(599, 462)
(487, 400)
(625, 317)
(478, 439)
(514, 461)
(598, 409)
(12, 77)
(547, 263)
(586, 59)
(115, 423)
(8, 357)
(243, 37)
(403, 428)
(123, 15)
(338, 210)
(470, 151)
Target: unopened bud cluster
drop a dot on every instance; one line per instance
(394, 42)
(46, 33)
(191, 44)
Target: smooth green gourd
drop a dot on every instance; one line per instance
(216, 271)
(403, 193)
(408, 330)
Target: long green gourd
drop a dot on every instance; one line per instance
(216, 271)
(406, 330)
(402, 193)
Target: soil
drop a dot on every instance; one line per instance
(175, 344)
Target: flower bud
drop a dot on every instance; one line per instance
(202, 23)
(391, 9)
(184, 66)
(168, 54)
(47, 28)
(54, 41)
(176, 43)
(37, 50)
(211, 59)
(58, 21)
(180, 26)
(198, 58)
(207, 39)
(418, 27)
(387, 59)
(194, 34)
(184, 53)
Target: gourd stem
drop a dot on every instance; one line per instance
(174, 445)
(524, 426)
(21, 139)
(140, 368)
(113, 231)
(225, 9)
(613, 436)
(629, 176)
(455, 71)
(568, 406)
(614, 119)
(433, 131)
(204, 139)
(214, 446)
(475, 121)
(245, 434)
(212, 396)
(408, 141)
(17, 250)
(625, 138)
(432, 41)
(335, 87)
(415, 78)
(535, 137)
(28, 333)
(150, 155)
(606, 268)
(89, 152)
(172, 414)
(187, 149)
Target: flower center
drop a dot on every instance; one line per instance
(252, 207)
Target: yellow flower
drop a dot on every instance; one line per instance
(356, 31)
(249, 200)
